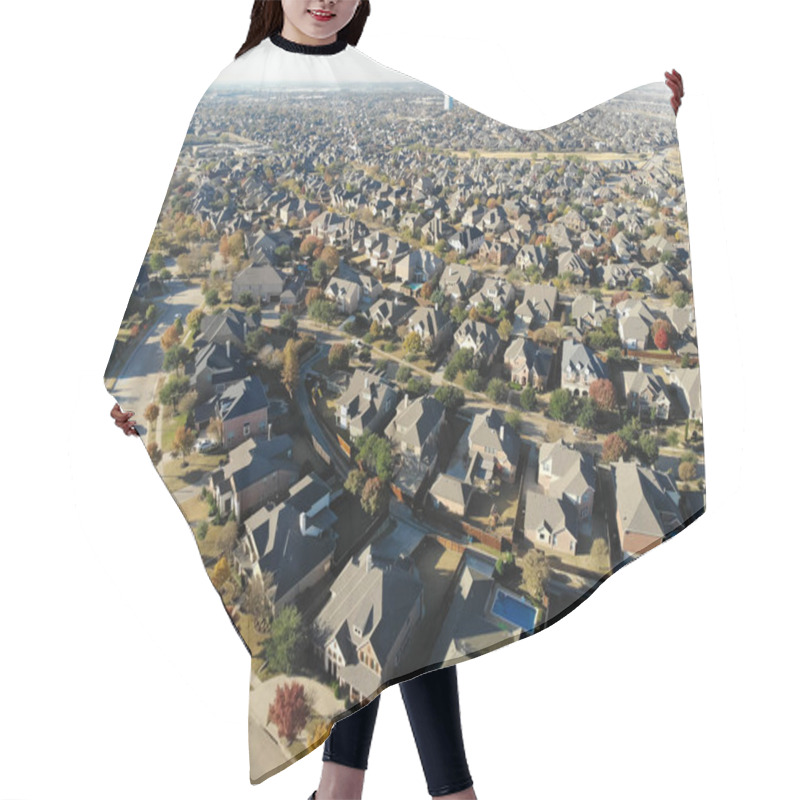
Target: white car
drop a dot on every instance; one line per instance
(204, 445)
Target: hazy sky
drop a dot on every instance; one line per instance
(275, 66)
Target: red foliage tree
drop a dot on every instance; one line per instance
(602, 392)
(289, 711)
(614, 448)
(662, 333)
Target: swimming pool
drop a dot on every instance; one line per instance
(515, 611)
(415, 286)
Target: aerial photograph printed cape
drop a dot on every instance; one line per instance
(419, 381)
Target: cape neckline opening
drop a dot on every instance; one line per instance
(309, 49)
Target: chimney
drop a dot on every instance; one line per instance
(228, 349)
(502, 432)
(437, 306)
(396, 301)
(406, 405)
(269, 431)
(303, 522)
(366, 382)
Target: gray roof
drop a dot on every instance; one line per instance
(490, 430)
(242, 397)
(254, 459)
(646, 500)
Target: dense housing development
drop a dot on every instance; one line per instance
(415, 400)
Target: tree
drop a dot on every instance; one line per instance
(151, 412)
(286, 638)
(177, 356)
(290, 375)
(374, 496)
(614, 448)
(504, 330)
(255, 602)
(339, 356)
(497, 390)
(322, 311)
(376, 453)
(535, 572)
(662, 333)
(527, 398)
(560, 404)
(184, 440)
(154, 451)
(412, 344)
(598, 555)
(687, 470)
(220, 573)
(514, 419)
(170, 338)
(587, 414)
(290, 710)
(171, 392)
(356, 479)
(449, 396)
(473, 380)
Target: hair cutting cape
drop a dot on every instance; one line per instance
(419, 381)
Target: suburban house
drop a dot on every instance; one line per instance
(418, 266)
(468, 241)
(535, 309)
(457, 280)
(580, 367)
(635, 320)
(645, 393)
(346, 294)
(242, 407)
(686, 384)
(257, 471)
(415, 431)
(473, 623)
(647, 506)
(528, 363)
(293, 542)
(494, 447)
(360, 642)
(497, 292)
(216, 366)
(482, 339)
(432, 325)
(569, 262)
(569, 474)
(229, 325)
(367, 404)
(588, 312)
(389, 314)
(264, 282)
(451, 493)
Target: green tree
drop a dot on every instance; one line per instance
(356, 479)
(527, 398)
(497, 390)
(450, 397)
(560, 404)
(285, 640)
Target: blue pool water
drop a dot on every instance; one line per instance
(514, 611)
(414, 286)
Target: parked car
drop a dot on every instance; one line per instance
(204, 445)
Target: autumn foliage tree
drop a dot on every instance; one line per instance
(220, 573)
(662, 332)
(614, 448)
(290, 374)
(184, 440)
(602, 392)
(170, 338)
(290, 710)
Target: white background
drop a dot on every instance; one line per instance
(120, 674)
